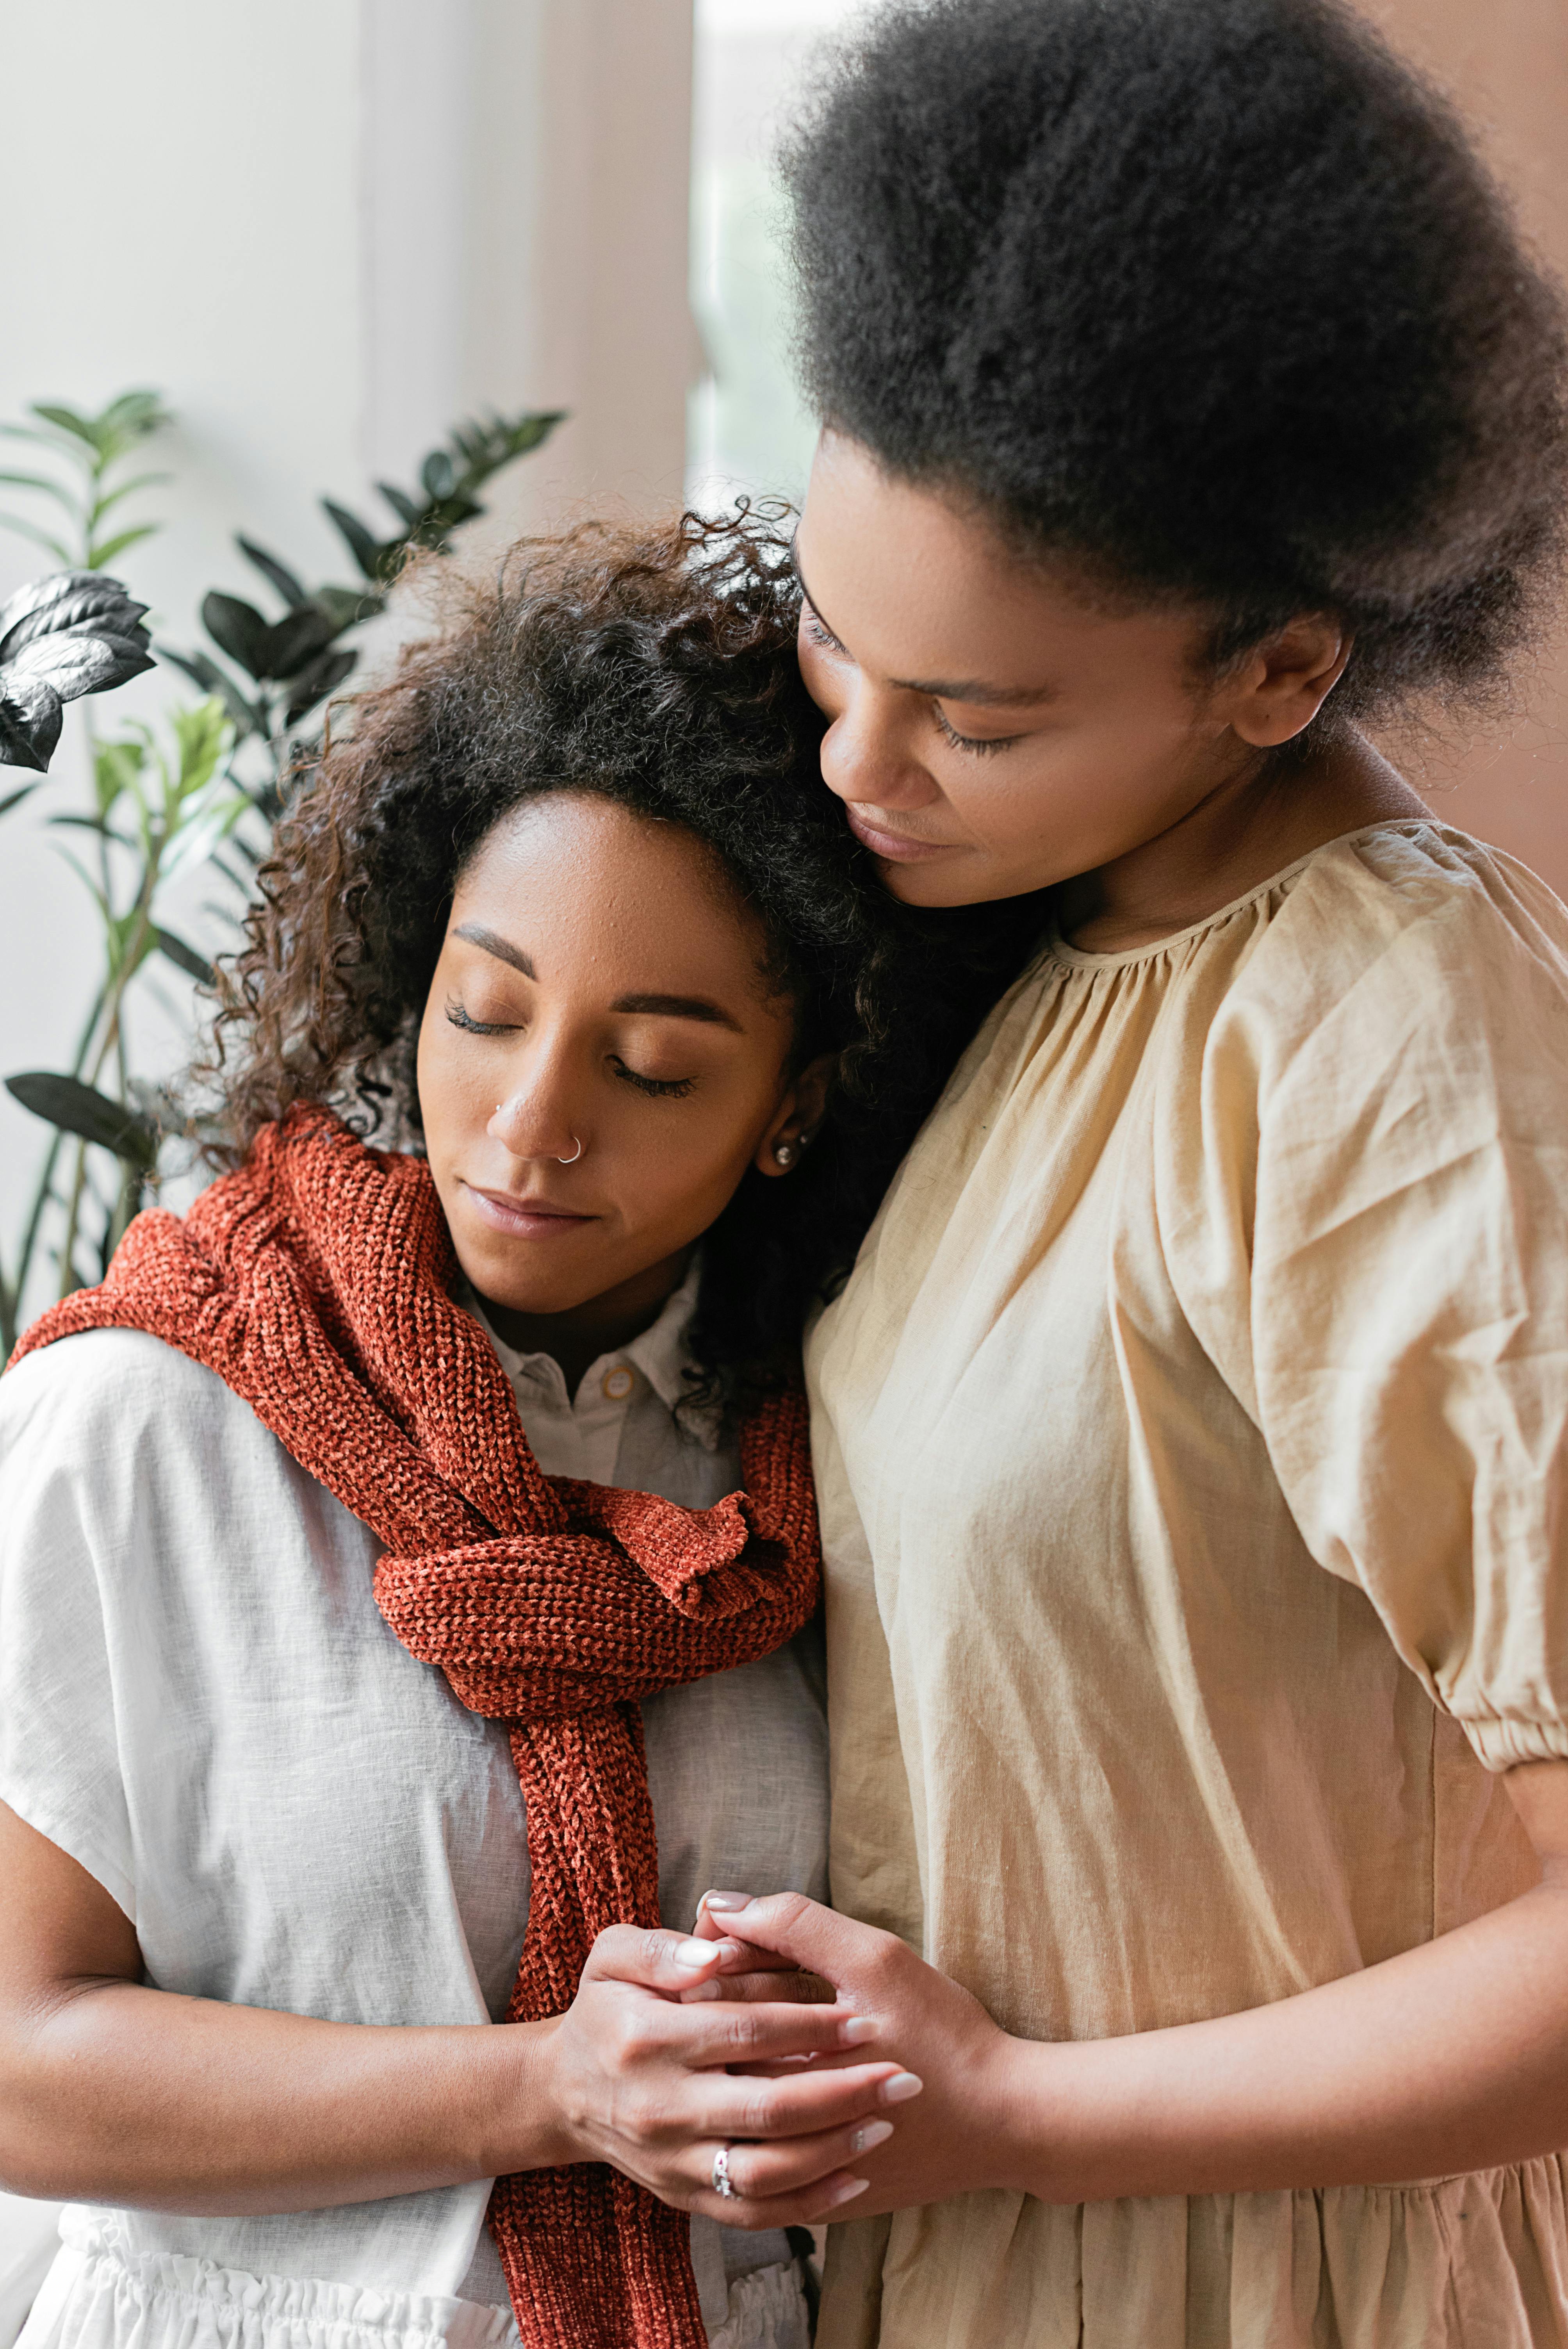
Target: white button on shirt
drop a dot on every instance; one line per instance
(624, 1401)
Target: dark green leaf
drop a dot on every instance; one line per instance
(401, 503)
(294, 642)
(436, 476)
(76, 1108)
(446, 516)
(486, 443)
(366, 550)
(279, 574)
(185, 958)
(238, 629)
(347, 607)
(15, 799)
(322, 678)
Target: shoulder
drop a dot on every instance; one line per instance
(1421, 894)
(113, 1425)
(107, 1380)
(1408, 941)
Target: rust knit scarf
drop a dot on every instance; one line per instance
(315, 1283)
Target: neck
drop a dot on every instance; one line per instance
(578, 1336)
(1253, 822)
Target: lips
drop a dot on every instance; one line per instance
(894, 847)
(524, 1219)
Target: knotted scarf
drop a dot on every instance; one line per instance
(314, 1281)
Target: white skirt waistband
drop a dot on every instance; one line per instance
(97, 2295)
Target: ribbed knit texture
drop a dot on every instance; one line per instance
(315, 1282)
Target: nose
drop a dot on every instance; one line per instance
(869, 752)
(545, 1116)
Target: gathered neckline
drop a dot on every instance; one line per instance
(1056, 948)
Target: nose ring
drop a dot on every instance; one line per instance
(559, 1162)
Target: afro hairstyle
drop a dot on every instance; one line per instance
(1209, 299)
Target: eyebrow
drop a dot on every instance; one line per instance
(662, 1007)
(679, 1007)
(971, 689)
(493, 943)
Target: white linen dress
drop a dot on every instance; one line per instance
(1191, 1446)
(202, 1704)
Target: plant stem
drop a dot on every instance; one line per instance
(113, 1000)
(12, 1293)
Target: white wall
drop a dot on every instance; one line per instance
(325, 229)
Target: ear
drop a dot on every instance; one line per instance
(1280, 689)
(799, 1113)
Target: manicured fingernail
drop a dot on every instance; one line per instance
(874, 2133)
(694, 1953)
(901, 2087)
(856, 2030)
(847, 2191)
(717, 1902)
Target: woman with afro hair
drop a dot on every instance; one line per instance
(1191, 1436)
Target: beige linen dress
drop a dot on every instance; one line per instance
(1190, 1441)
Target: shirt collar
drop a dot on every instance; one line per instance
(661, 1354)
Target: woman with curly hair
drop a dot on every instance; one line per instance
(1192, 1434)
(408, 1559)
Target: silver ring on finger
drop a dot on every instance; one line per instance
(724, 2186)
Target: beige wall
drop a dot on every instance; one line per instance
(1505, 63)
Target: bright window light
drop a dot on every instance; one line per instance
(747, 430)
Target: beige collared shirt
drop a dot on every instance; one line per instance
(1190, 1451)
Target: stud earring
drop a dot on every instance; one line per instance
(783, 1153)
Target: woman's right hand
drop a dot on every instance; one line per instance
(638, 2078)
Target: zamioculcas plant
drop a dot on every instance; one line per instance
(288, 666)
(161, 805)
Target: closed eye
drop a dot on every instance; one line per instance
(459, 1018)
(670, 1088)
(821, 633)
(979, 746)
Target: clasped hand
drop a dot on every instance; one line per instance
(748, 2035)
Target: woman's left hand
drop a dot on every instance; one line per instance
(956, 2136)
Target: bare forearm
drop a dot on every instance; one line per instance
(1453, 2056)
(121, 2093)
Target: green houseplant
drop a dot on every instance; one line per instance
(201, 793)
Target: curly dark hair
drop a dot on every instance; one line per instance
(1213, 300)
(657, 670)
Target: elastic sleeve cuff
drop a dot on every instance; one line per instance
(1501, 1745)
